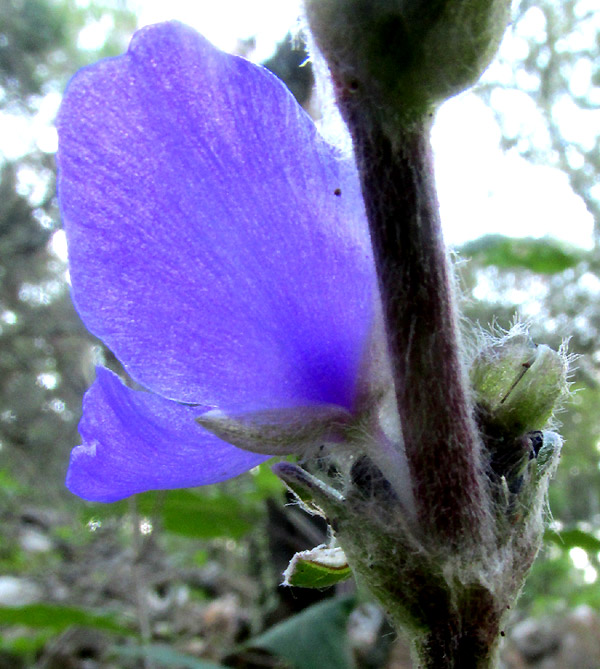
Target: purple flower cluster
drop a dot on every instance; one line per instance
(217, 245)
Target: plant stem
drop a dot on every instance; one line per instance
(440, 437)
(441, 648)
(463, 636)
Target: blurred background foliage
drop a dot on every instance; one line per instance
(189, 578)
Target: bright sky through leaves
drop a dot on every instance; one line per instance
(481, 189)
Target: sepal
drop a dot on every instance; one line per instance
(279, 431)
(315, 496)
(547, 456)
(524, 486)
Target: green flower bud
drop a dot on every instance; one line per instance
(406, 56)
(517, 385)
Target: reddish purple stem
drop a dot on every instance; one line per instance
(441, 438)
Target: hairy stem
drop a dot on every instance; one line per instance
(461, 637)
(441, 440)
(442, 648)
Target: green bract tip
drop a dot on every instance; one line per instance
(320, 567)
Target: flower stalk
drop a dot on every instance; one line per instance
(406, 58)
(440, 437)
(478, 462)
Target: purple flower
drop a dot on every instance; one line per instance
(217, 245)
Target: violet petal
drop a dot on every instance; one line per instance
(217, 244)
(136, 441)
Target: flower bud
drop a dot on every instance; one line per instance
(517, 384)
(406, 56)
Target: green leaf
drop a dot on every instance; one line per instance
(10, 485)
(25, 643)
(191, 514)
(59, 618)
(313, 639)
(202, 516)
(567, 539)
(545, 256)
(163, 656)
(266, 484)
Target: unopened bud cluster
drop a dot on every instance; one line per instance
(517, 385)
